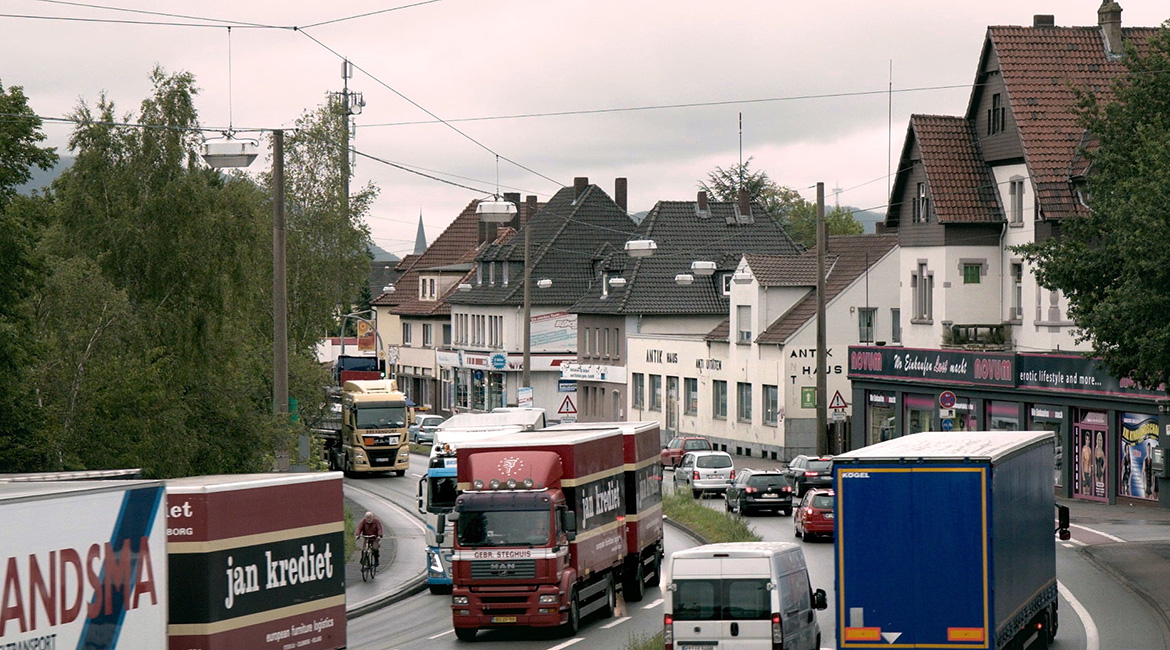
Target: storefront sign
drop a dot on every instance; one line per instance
(585, 372)
(1074, 373)
(658, 356)
(958, 367)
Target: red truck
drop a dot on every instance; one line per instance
(542, 536)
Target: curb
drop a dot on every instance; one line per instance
(415, 585)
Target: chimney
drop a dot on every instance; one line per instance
(702, 200)
(745, 202)
(1109, 18)
(514, 199)
(529, 209)
(580, 183)
(1044, 20)
(619, 193)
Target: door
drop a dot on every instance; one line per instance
(672, 404)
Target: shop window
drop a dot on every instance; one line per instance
(655, 392)
(1139, 439)
(1002, 416)
(919, 413)
(1090, 466)
(880, 416)
(1042, 417)
(691, 399)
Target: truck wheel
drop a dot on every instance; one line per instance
(400, 472)
(466, 633)
(573, 625)
(610, 598)
(1053, 624)
(634, 586)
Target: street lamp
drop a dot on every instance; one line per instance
(641, 247)
(703, 267)
(684, 279)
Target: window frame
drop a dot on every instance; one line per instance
(655, 393)
(690, 396)
(743, 401)
(866, 331)
(771, 404)
(719, 399)
(638, 390)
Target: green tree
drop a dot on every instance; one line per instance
(785, 204)
(1113, 265)
(20, 270)
(327, 246)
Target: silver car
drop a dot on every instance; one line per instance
(423, 429)
(705, 471)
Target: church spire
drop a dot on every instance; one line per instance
(420, 240)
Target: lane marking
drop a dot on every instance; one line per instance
(1097, 532)
(653, 604)
(432, 638)
(568, 643)
(1092, 637)
(416, 475)
(615, 623)
(1074, 542)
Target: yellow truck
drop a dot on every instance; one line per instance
(373, 434)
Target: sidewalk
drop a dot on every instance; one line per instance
(401, 573)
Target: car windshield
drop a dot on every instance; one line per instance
(696, 445)
(822, 501)
(381, 416)
(713, 461)
(767, 481)
(820, 465)
(503, 528)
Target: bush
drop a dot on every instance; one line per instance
(712, 525)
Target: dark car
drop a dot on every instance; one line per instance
(757, 490)
(809, 472)
(815, 515)
(675, 449)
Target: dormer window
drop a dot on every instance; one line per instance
(505, 266)
(726, 284)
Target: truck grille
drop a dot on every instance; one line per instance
(488, 569)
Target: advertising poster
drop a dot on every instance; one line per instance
(1089, 463)
(1139, 438)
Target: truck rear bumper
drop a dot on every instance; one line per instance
(508, 609)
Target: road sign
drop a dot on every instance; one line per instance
(838, 402)
(947, 424)
(567, 406)
(946, 399)
(837, 416)
(946, 414)
(808, 397)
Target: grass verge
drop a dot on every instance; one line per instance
(712, 525)
(645, 642)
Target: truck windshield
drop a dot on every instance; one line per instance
(503, 528)
(382, 416)
(441, 492)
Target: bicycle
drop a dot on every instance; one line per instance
(369, 569)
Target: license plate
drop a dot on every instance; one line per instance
(503, 619)
(697, 647)
(828, 515)
(770, 496)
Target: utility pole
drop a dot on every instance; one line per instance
(279, 284)
(822, 382)
(526, 375)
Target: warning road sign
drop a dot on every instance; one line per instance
(838, 402)
(567, 406)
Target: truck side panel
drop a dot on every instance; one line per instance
(911, 556)
(1024, 555)
(644, 485)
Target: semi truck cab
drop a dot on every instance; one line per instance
(374, 422)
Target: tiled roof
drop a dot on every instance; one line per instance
(1040, 68)
(783, 270)
(846, 261)
(721, 333)
(565, 237)
(962, 186)
(683, 235)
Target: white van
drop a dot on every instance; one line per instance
(741, 595)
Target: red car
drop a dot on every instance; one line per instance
(815, 515)
(674, 450)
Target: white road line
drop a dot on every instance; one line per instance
(416, 475)
(653, 604)
(1097, 532)
(1092, 637)
(1075, 542)
(615, 623)
(432, 638)
(567, 643)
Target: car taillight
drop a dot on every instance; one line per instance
(668, 631)
(812, 474)
(695, 476)
(786, 489)
(777, 633)
(733, 475)
(750, 490)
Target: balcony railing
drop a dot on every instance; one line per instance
(978, 336)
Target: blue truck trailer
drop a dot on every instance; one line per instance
(946, 540)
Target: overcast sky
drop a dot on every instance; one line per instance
(810, 78)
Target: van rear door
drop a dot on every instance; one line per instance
(721, 602)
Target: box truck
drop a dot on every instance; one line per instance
(83, 565)
(374, 433)
(256, 561)
(540, 530)
(946, 540)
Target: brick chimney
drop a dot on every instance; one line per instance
(529, 208)
(514, 199)
(702, 201)
(1044, 20)
(619, 193)
(1109, 18)
(580, 184)
(745, 202)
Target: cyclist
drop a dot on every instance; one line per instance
(371, 529)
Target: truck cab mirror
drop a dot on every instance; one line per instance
(820, 600)
(1062, 523)
(440, 530)
(569, 524)
(422, 482)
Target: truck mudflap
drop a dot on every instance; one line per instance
(1036, 609)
